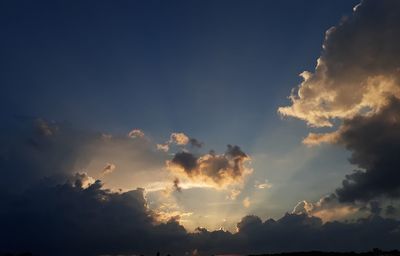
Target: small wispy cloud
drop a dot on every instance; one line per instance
(136, 133)
(109, 168)
(262, 185)
(246, 202)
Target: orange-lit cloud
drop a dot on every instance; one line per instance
(246, 202)
(357, 72)
(83, 180)
(216, 170)
(327, 209)
(355, 88)
(136, 133)
(163, 147)
(233, 194)
(313, 139)
(179, 138)
(171, 211)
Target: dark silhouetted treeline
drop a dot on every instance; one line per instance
(18, 254)
(374, 252)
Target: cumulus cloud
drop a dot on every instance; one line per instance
(304, 232)
(358, 68)
(179, 138)
(374, 142)
(94, 221)
(104, 222)
(356, 84)
(217, 170)
(72, 220)
(328, 208)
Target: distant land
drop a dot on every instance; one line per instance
(374, 252)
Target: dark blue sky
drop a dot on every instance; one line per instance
(217, 70)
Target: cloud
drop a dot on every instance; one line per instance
(185, 160)
(136, 133)
(176, 185)
(263, 185)
(33, 149)
(93, 221)
(74, 219)
(374, 142)
(83, 180)
(179, 138)
(234, 194)
(314, 139)
(70, 220)
(358, 68)
(168, 211)
(109, 168)
(299, 232)
(246, 202)
(163, 147)
(195, 143)
(356, 86)
(303, 207)
(328, 208)
(45, 128)
(217, 170)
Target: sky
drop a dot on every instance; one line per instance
(199, 127)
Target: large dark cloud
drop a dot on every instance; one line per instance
(300, 232)
(67, 219)
(70, 220)
(375, 145)
(356, 84)
(31, 149)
